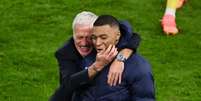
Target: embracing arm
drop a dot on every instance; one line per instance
(70, 78)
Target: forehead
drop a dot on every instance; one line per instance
(104, 30)
(82, 30)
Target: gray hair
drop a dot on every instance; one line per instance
(84, 18)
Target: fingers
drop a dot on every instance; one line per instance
(107, 51)
(113, 52)
(114, 79)
(116, 76)
(105, 57)
(115, 73)
(110, 53)
(110, 78)
(120, 75)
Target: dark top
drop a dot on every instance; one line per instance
(137, 83)
(72, 74)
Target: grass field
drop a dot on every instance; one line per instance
(32, 30)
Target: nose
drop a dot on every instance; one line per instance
(83, 41)
(98, 42)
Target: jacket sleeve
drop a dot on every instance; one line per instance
(142, 86)
(70, 78)
(129, 39)
(134, 42)
(70, 72)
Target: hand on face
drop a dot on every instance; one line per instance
(104, 57)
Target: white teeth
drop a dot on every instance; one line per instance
(99, 49)
(83, 47)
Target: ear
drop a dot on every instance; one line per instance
(118, 36)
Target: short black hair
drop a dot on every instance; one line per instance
(106, 20)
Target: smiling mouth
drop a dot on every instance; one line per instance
(84, 47)
(99, 50)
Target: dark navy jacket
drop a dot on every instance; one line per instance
(72, 74)
(137, 83)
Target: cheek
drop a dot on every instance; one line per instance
(89, 40)
(110, 41)
(77, 42)
(114, 41)
(107, 43)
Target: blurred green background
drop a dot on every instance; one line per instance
(32, 30)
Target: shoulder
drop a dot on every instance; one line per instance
(137, 66)
(67, 51)
(137, 60)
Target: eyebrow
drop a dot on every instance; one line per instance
(100, 35)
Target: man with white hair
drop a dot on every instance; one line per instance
(82, 26)
(74, 75)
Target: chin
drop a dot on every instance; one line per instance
(83, 54)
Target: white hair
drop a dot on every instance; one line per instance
(85, 18)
